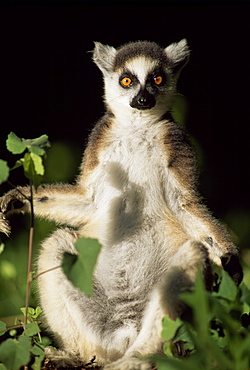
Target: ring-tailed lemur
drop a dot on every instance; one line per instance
(136, 193)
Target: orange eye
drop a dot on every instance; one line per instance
(158, 80)
(126, 81)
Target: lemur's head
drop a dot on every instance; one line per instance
(141, 75)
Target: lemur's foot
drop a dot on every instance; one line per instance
(62, 358)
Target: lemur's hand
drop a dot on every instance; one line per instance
(231, 264)
(13, 201)
(4, 224)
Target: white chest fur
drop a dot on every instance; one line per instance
(131, 173)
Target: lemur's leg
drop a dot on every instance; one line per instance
(165, 300)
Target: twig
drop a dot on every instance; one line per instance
(31, 239)
(11, 328)
(45, 272)
(19, 191)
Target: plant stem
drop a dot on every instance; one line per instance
(19, 191)
(45, 272)
(11, 327)
(31, 239)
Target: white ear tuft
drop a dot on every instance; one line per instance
(104, 56)
(178, 54)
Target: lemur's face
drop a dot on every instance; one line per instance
(141, 83)
(141, 76)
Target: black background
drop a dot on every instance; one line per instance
(49, 84)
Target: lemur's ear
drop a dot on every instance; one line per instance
(178, 55)
(104, 56)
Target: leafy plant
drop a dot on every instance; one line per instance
(17, 352)
(218, 335)
(27, 349)
(34, 150)
(33, 169)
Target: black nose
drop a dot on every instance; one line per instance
(143, 100)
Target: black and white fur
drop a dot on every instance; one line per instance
(136, 193)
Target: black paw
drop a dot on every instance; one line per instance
(231, 264)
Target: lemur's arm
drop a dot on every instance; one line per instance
(187, 207)
(64, 204)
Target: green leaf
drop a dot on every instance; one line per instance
(186, 334)
(23, 310)
(4, 171)
(228, 288)
(38, 164)
(14, 144)
(244, 347)
(2, 367)
(32, 161)
(18, 163)
(37, 146)
(23, 351)
(170, 327)
(30, 169)
(173, 364)
(168, 349)
(37, 351)
(36, 150)
(2, 328)
(15, 354)
(32, 329)
(12, 332)
(28, 166)
(37, 363)
(222, 341)
(32, 312)
(245, 294)
(8, 352)
(38, 312)
(79, 269)
(198, 301)
(46, 342)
